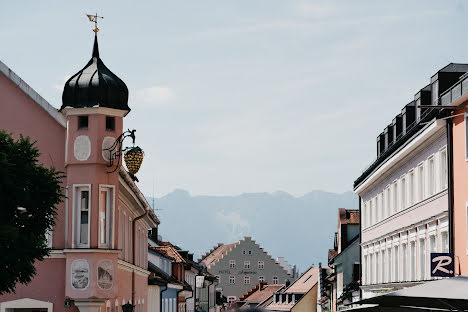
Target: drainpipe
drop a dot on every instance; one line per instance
(161, 298)
(450, 185)
(360, 248)
(133, 252)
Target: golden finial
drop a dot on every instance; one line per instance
(94, 18)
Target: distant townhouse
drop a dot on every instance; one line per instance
(343, 280)
(240, 265)
(405, 196)
(300, 296)
(259, 296)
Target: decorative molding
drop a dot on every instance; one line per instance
(129, 267)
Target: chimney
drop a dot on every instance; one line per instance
(287, 282)
(154, 234)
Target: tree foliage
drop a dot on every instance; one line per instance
(29, 193)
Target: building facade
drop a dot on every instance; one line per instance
(404, 194)
(239, 266)
(100, 237)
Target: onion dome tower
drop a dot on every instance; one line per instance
(95, 86)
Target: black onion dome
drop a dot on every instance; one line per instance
(95, 86)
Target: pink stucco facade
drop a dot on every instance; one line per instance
(108, 270)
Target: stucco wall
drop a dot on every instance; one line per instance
(308, 303)
(271, 268)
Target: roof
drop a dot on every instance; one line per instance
(259, 294)
(218, 253)
(39, 100)
(168, 251)
(95, 86)
(159, 277)
(348, 216)
(304, 283)
(332, 253)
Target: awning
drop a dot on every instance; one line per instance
(449, 294)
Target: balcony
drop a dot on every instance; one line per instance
(455, 92)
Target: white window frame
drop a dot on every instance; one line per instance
(395, 203)
(110, 215)
(421, 179)
(431, 181)
(49, 237)
(246, 280)
(261, 278)
(411, 188)
(246, 264)
(443, 169)
(232, 264)
(231, 299)
(76, 231)
(232, 279)
(403, 193)
(275, 280)
(388, 197)
(261, 265)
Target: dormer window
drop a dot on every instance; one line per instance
(110, 123)
(82, 122)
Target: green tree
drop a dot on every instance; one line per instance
(29, 193)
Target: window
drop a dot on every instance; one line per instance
(403, 193)
(105, 215)
(431, 176)
(364, 270)
(371, 269)
(247, 280)
(397, 264)
(231, 299)
(383, 267)
(445, 242)
(432, 244)
(421, 182)
(250, 252)
(244, 251)
(405, 262)
(389, 266)
(371, 214)
(261, 279)
(413, 260)
(388, 207)
(82, 215)
(261, 265)
(339, 282)
(246, 264)
(443, 169)
(49, 238)
(232, 264)
(422, 259)
(82, 122)
(275, 280)
(218, 278)
(232, 279)
(395, 197)
(110, 123)
(411, 187)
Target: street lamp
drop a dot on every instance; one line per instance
(128, 307)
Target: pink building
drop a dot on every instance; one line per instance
(99, 244)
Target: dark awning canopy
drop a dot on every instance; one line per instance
(448, 294)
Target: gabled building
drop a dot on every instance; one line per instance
(300, 296)
(240, 265)
(342, 281)
(260, 295)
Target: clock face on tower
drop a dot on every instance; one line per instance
(82, 148)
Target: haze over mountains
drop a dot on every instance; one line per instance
(298, 228)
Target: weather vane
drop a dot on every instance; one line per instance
(94, 18)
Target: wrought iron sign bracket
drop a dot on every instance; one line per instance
(115, 151)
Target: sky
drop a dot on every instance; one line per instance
(242, 96)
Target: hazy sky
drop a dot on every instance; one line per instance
(245, 96)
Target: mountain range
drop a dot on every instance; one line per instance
(301, 229)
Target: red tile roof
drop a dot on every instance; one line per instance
(348, 216)
(169, 251)
(258, 294)
(217, 254)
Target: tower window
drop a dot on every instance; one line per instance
(82, 122)
(110, 123)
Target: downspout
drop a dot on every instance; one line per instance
(360, 247)
(450, 186)
(161, 298)
(133, 253)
